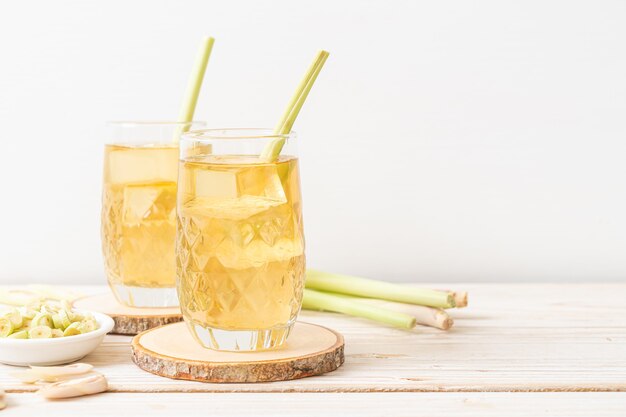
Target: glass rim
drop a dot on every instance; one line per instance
(240, 133)
(131, 123)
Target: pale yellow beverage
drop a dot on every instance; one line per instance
(139, 221)
(240, 249)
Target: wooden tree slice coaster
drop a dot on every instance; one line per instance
(129, 320)
(172, 352)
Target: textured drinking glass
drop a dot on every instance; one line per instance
(139, 211)
(240, 242)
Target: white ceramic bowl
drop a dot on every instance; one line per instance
(54, 351)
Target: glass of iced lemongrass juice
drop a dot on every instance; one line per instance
(139, 211)
(240, 243)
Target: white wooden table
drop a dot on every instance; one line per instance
(518, 349)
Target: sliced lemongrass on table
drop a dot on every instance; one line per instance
(51, 373)
(272, 150)
(87, 385)
(369, 288)
(321, 301)
(194, 85)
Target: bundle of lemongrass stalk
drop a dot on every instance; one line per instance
(393, 304)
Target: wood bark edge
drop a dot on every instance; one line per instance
(242, 372)
(133, 325)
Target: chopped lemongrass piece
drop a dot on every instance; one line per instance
(25, 377)
(64, 315)
(369, 288)
(73, 329)
(51, 373)
(57, 371)
(194, 84)
(91, 384)
(27, 313)
(16, 318)
(272, 150)
(42, 319)
(316, 300)
(6, 327)
(87, 326)
(40, 332)
(56, 321)
(22, 334)
(74, 317)
(56, 316)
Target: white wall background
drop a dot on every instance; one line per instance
(447, 140)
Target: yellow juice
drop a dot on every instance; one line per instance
(240, 245)
(139, 216)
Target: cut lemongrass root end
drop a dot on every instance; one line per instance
(369, 288)
(272, 150)
(194, 84)
(317, 300)
(460, 298)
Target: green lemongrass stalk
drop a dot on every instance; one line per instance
(369, 288)
(193, 86)
(321, 301)
(426, 316)
(272, 150)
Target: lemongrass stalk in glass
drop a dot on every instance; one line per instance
(194, 84)
(139, 200)
(240, 242)
(139, 211)
(272, 149)
(240, 248)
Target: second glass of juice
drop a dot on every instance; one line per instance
(240, 244)
(139, 211)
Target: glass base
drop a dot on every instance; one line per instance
(144, 297)
(240, 340)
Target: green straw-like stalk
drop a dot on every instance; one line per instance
(426, 316)
(283, 127)
(316, 300)
(193, 85)
(369, 288)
